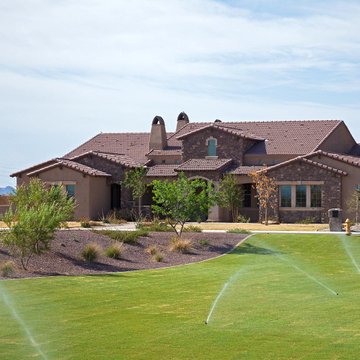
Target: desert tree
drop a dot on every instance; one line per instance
(231, 195)
(265, 189)
(39, 211)
(183, 200)
(135, 179)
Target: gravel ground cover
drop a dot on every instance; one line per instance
(64, 258)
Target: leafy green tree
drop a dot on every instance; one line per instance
(135, 179)
(231, 195)
(39, 211)
(182, 200)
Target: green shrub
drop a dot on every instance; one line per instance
(91, 252)
(129, 237)
(243, 219)
(114, 251)
(238, 231)
(152, 250)
(204, 242)
(7, 268)
(160, 227)
(309, 220)
(158, 256)
(192, 228)
(181, 246)
(85, 224)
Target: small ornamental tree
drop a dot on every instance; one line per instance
(39, 211)
(265, 189)
(182, 200)
(353, 203)
(231, 195)
(135, 179)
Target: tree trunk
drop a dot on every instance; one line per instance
(266, 216)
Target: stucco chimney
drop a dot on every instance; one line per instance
(158, 140)
(182, 120)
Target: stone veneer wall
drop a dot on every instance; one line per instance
(299, 171)
(228, 146)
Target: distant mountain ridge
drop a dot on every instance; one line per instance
(6, 190)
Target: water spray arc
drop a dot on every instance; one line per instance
(304, 272)
(18, 318)
(349, 253)
(219, 296)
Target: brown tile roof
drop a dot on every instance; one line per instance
(204, 165)
(307, 161)
(355, 150)
(227, 129)
(162, 170)
(170, 150)
(40, 165)
(116, 158)
(134, 145)
(71, 165)
(281, 137)
(242, 170)
(349, 159)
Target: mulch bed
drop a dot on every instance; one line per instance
(64, 258)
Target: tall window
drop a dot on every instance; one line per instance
(247, 195)
(212, 147)
(70, 189)
(286, 196)
(315, 196)
(300, 195)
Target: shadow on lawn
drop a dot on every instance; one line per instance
(252, 249)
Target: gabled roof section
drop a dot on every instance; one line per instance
(73, 165)
(116, 158)
(346, 158)
(307, 161)
(162, 170)
(242, 170)
(227, 129)
(40, 165)
(204, 165)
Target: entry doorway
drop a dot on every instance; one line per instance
(115, 196)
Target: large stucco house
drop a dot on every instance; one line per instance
(316, 165)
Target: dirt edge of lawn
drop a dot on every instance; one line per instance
(65, 259)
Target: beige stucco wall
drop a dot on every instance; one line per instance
(349, 182)
(100, 197)
(82, 187)
(265, 159)
(340, 141)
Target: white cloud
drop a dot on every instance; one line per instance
(70, 69)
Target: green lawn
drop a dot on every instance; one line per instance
(272, 308)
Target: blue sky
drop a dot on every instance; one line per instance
(71, 69)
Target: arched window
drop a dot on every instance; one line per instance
(212, 147)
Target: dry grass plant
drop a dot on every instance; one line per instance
(115, 251)
(91, 252)
(152, 249)
(181, 246)
(7, 268)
